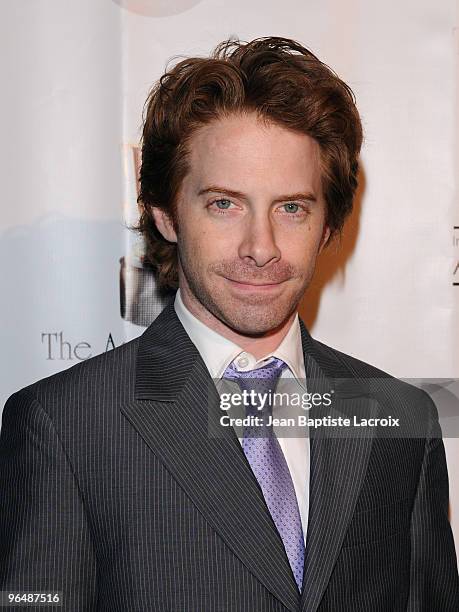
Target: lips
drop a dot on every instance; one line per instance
(244, 284)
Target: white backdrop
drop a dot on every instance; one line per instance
(75, 77)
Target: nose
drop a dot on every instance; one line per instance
(258, 246)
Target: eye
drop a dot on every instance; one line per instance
(221, 204)
(291, 207)
(294, 208)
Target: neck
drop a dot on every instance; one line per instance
(258, 346)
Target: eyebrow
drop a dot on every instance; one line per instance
(238, 194)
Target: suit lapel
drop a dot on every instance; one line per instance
(337, 468)
(176, 411)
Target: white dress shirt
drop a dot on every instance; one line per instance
(218, 352)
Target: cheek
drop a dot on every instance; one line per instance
(192, 236)
(210, 240)
(301, 243)
(200, 246)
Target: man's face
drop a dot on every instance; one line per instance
(251, 221)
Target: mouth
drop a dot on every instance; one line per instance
(254, 286)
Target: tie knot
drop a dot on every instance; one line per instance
(262, 379)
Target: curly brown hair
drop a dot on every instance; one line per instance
(278, 79)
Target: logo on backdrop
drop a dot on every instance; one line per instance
(60, 348)
(140, 301)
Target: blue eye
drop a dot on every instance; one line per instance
(291, 207)
(223, 204)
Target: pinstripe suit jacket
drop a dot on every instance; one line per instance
(113, 492)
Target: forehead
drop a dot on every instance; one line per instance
(243, 152)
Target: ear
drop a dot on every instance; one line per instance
(164, 224)
(325, 236)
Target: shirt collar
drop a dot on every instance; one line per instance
(218, 352)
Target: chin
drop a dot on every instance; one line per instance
(255, 323)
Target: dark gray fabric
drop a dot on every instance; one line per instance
(113, 492)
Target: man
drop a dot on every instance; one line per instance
(115, 491)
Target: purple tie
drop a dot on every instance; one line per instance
(265, 456)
